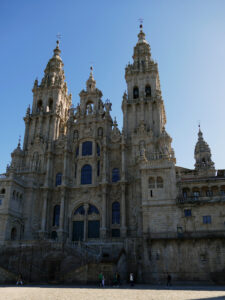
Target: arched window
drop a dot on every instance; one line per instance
(148, 91)
(87, 148)
(98, 150)
(92, 210)
(3, 191)
(159, 182)
(98, 168)
(56, 215)
(135, 92)
(13, 234)
(185, 192)
(80, 210)
(50, 104)
(86, 174)
(54, 235)
(39, 105)
(14, 195)
(115, 175)
(116, 213)
(151, 182)
(58, 179)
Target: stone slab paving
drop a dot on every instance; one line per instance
(123, 293)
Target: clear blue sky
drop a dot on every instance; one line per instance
(187, 40)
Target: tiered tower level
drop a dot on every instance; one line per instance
(81, 197)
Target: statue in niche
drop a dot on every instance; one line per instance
(77, 111)
(101, 108)
(89, 109)
(108, 106)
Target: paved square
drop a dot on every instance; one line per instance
(123, 293)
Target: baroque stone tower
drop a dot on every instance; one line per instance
(204, 164)
(82, 197)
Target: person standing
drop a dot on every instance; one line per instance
(169, 278)
(103, 280)
(19, 280)
(131, 279)
(100, 279)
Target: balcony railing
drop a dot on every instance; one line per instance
(198, 199)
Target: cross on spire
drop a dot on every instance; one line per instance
(59, 36)
(141, 22)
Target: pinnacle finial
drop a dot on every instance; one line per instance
(58, 39)
(91, 71)
(141, 22)
(19, 142)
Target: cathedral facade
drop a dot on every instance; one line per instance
(82, 197)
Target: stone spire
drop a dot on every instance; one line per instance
(204, 163)
(91, 83)
(142, 51)
(54, 73)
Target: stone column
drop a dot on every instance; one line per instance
(44, 213)
(49, 164)
(48, 128)
(104, 213)
(85, 222)
(123, 211)
(134, 116)
(65, 166)
(123, 157)
(61, 230)
(104, 168)
(40, 120)
(142, 109)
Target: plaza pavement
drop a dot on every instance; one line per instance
(145, 292)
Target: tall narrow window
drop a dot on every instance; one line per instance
(98, 168)
(13, 234)
(50, 105)
(207, 220)
(135, 92)
(151, 182)
(39, 105)
(187, 212)
(58, 179)
(116, 213)
(148, 91)
(86, 174)
(115, 175)
(159, 182)
(87, 148)
(98, 150)
(196, 195)
(56, 215)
